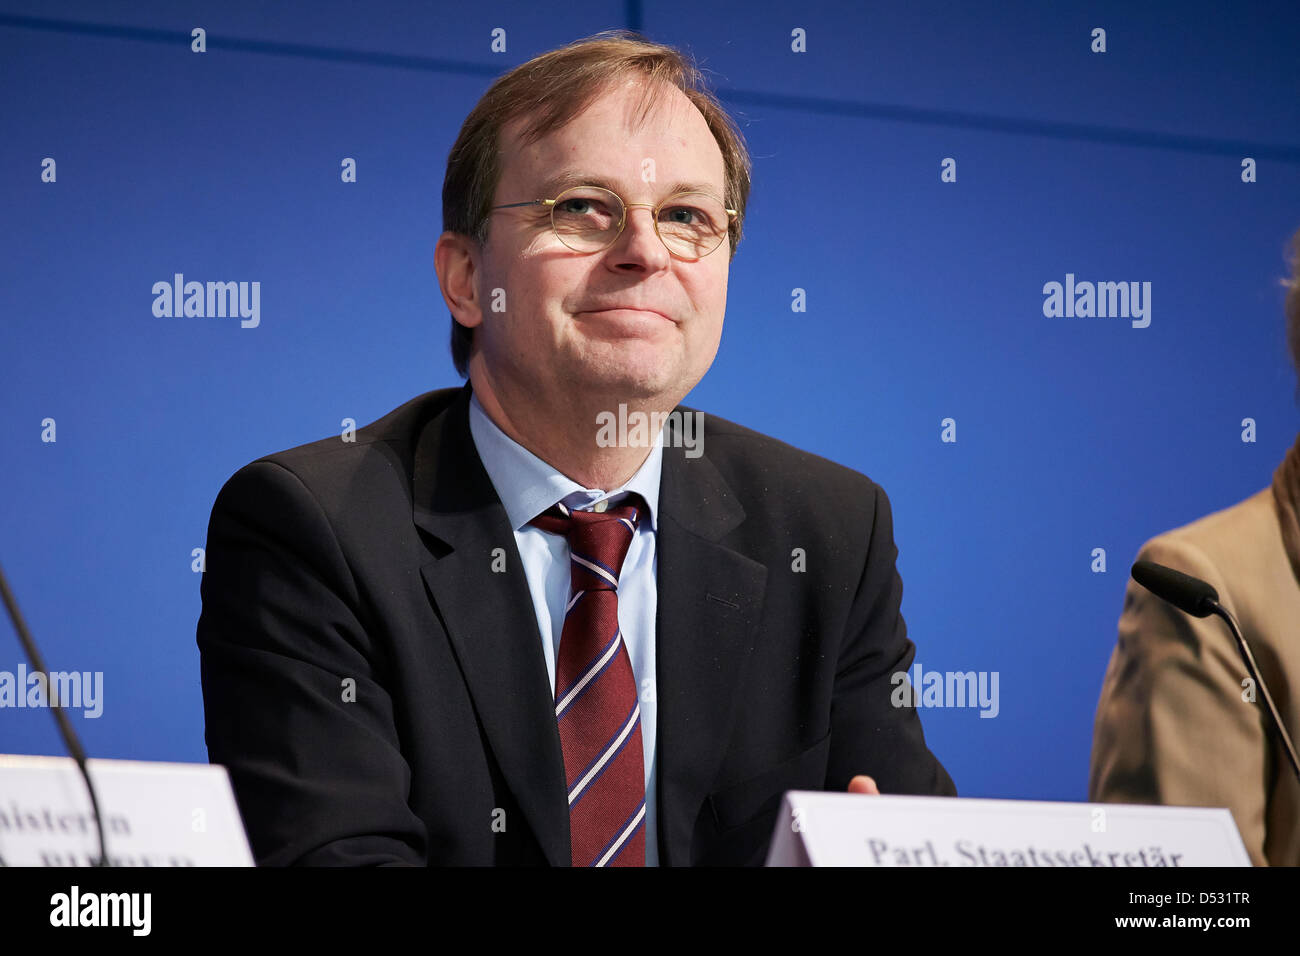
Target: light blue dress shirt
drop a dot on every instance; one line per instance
(527, 486)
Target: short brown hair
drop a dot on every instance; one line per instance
(553, 88)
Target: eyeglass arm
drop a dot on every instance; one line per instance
(531, 202)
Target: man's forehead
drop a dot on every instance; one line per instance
(636, 112)
(551, 182)
(612, 144)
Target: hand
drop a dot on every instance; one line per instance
(863, 784)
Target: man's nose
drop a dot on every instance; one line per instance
(651, 234)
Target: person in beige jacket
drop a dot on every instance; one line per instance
(1176, 722)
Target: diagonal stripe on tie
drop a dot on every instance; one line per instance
(565, 698)
(620, 842)
(604, 757)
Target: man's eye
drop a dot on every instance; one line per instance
(581, 207)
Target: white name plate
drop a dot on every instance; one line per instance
(154, 814)
(849, 829)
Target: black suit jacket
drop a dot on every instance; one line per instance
(379, 694)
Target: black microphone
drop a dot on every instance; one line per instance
(1183, 591)
(70, 739)
(1199, 599)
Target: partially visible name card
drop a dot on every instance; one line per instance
(849, 829)
(154, 814)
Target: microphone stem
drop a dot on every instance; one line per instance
(65, 729)
(1251, 667)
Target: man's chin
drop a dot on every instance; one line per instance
(631, 386)
(634, 370)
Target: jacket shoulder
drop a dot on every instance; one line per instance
(765, 465)
(1242, 541)
(401, 426)
(376, 466)
(1238, 550)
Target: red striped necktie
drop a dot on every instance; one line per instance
(596, 704)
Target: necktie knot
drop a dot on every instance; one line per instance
(598, 540)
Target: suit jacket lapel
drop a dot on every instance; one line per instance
(710, 600)
(490, 621)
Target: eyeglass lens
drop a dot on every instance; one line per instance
(586, 219)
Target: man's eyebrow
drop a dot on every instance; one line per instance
(554, 184)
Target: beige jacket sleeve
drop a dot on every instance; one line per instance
(1172, 726)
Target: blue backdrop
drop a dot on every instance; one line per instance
(924, 300)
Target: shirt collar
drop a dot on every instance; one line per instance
(527, 486)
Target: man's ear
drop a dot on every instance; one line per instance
(455, 259)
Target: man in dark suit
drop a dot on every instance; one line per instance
(502, 627)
